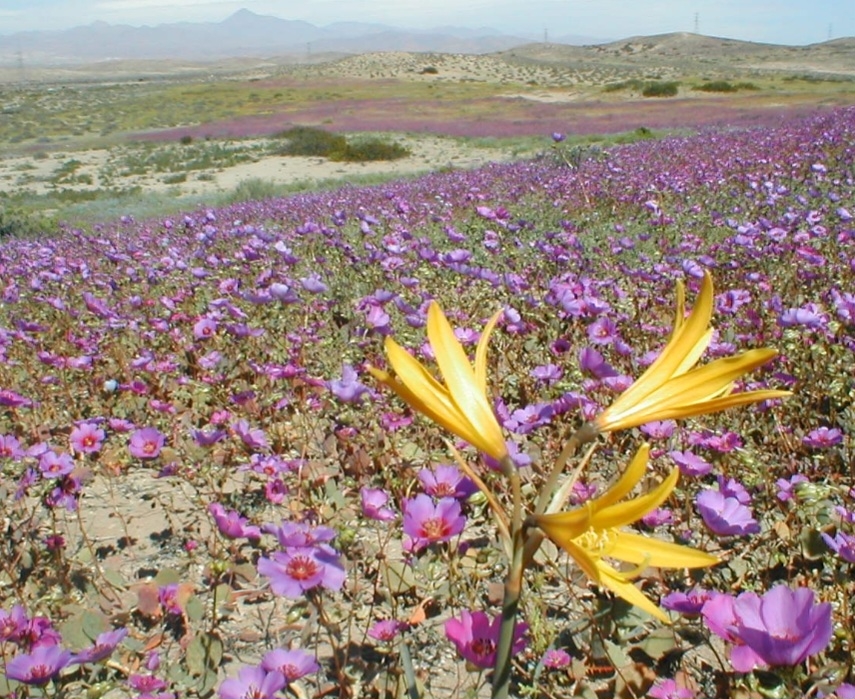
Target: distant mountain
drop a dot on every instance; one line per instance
(242, 34)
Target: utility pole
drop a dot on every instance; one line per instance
(697, 23)
(545, 35)
(830, 25)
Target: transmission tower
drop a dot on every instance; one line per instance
(697, 23)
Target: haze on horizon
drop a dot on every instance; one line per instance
(791, 22)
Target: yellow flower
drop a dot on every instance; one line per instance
(461, 405)
(591, 532)
(673, 387)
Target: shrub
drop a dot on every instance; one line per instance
(717, 86)
(186, 140)
(17, 223)
(429, 70)
(306, 140)
(370, 149)
(660, 89)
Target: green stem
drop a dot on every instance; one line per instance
(513, 589)
(586, 433)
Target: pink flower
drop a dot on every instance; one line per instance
(293, 664)
(556, 658)
(428, 524)
(386, 629)
(146, 443)
(476, 637)
(295, 570)
(231, 524)
(86, 438)
(374, 504)
(53, 465)
(204, 328)
(38, 667)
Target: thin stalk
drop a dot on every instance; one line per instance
(513, 590)
(586, 433)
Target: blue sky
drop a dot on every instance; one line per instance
(773, 21)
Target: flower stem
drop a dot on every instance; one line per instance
(513, 589)
(586, 433)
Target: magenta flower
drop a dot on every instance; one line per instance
(690, 603)
(446, 481)
(556, 658)
(386, 630)
(146, 443)
(104, 646)
(38, 667)
(252, 683)
(725, 516)
(86, 438)
(669, 689)
(592, 362)
(823, 438)
(786, 487)
(10, 399)
(690, 464)
(428, 523)
(252, 437)
(374, 503)
(292, 664)
(10, 447)
(476, 636)
(13, 624)
(602, 331)
(842, 544)
(529, 418)
(295, 570)
(232, 524)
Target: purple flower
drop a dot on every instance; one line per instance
(428, 523)
(13, 624)
(252, 683)
(690, 464)
(842, 544)
(313, 284)
(295, 570)
(446, 481)
(38, 667)
(547, 373)
(292, 664)
(348, 388)
(529, 418)
(146, 443)
(10, 399)
(786, 487)
(783, 627)
(659, 429)
(557, 136)
(476, 636)
(808, 316)
(602, 331)
(689, 603)
(252, 437)
(86, 438)
(53, 465)
(592, 362)
(104, 646)
(725, 516)
(823, 438)
(374, 504)
(204, 328)
(232, 524)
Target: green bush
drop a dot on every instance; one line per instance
(370, 149)
(660, 89)
(306, 140)
(716, 86)
(16, 223)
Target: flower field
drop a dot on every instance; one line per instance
(244, 453)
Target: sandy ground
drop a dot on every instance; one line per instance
(38, 175)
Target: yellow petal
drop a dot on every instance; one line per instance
(481, 353)
(685, 340)
(624, 589)
(624, 513)
(640, 550)
(630, 478)
(716, 405)
(704, 383)
(462, 385)
(562, 527)
(590, 566)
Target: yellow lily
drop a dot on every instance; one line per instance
(671, 388)
(591, 532)
(461, 405)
